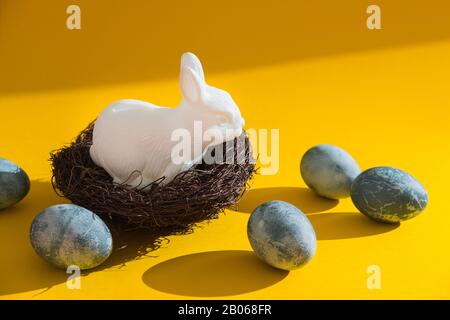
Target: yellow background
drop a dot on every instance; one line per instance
(309, 68)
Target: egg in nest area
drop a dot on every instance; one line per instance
(388, 194)
(67, 234)
(329, 171)
(281, 235)
(14, 183)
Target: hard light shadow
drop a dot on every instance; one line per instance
(130, 246)
(143, 40)
(21, 269)
(303, 198)
(328, 225)
(346, 225)
(212, 274)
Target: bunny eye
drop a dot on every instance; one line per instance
(224, 118)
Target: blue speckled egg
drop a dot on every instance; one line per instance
(329, 171)
(14, 183)
(66, 234)
(281, 235)
(388, 194)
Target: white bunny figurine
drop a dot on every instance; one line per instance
(132, 138)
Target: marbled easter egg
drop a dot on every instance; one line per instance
(14, 183)
(388, 194)
(66, 234)
(329, 171)
(281, 235)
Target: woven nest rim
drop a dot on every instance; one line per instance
(198, 194)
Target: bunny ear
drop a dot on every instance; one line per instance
(190, 60)
(192, 87)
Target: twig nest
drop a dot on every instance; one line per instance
(195, 195)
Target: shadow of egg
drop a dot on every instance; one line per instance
(303, 198)
(23, 269)
(346, 225)
(212, 274)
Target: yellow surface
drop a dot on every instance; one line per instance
(313, 71)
